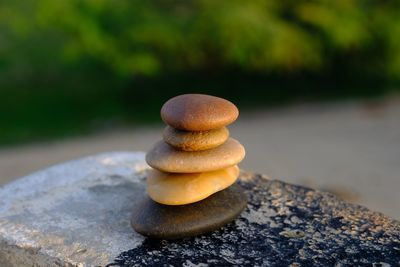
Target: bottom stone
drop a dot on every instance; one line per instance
(172, 222)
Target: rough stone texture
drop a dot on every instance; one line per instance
(77, 214)
(73, 214)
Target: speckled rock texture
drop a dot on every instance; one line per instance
(77, 214)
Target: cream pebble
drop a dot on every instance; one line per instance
(186, 188)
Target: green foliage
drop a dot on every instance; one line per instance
(70, 66)
(149, 37)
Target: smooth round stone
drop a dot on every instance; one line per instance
(197, 112)
(166, 158)
(185, 188)
(195, 141)
(172, 222)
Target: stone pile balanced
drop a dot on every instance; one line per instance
(191, 184)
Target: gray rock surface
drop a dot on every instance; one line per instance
(77, 214)
(74, 213)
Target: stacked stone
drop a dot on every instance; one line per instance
(196, 157)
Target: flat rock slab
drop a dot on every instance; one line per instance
(77, 214)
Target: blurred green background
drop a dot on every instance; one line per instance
(74, 67)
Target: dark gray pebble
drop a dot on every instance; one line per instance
(173, 222)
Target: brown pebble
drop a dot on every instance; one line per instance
(198, 112)
(195, 141)
(166, 158)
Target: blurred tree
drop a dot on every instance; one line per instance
(146, 37)
(67, 65)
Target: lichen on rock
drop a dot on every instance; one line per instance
(283, 225)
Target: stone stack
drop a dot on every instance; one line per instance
(195, 160)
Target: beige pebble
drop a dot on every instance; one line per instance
(166, 158)
(198, 112)
(186, 188)
(195, 141)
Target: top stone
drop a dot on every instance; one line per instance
(198, 112)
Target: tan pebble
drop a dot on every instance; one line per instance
(183, 188)
(195, 141)
(166, 158)
(198, 112)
